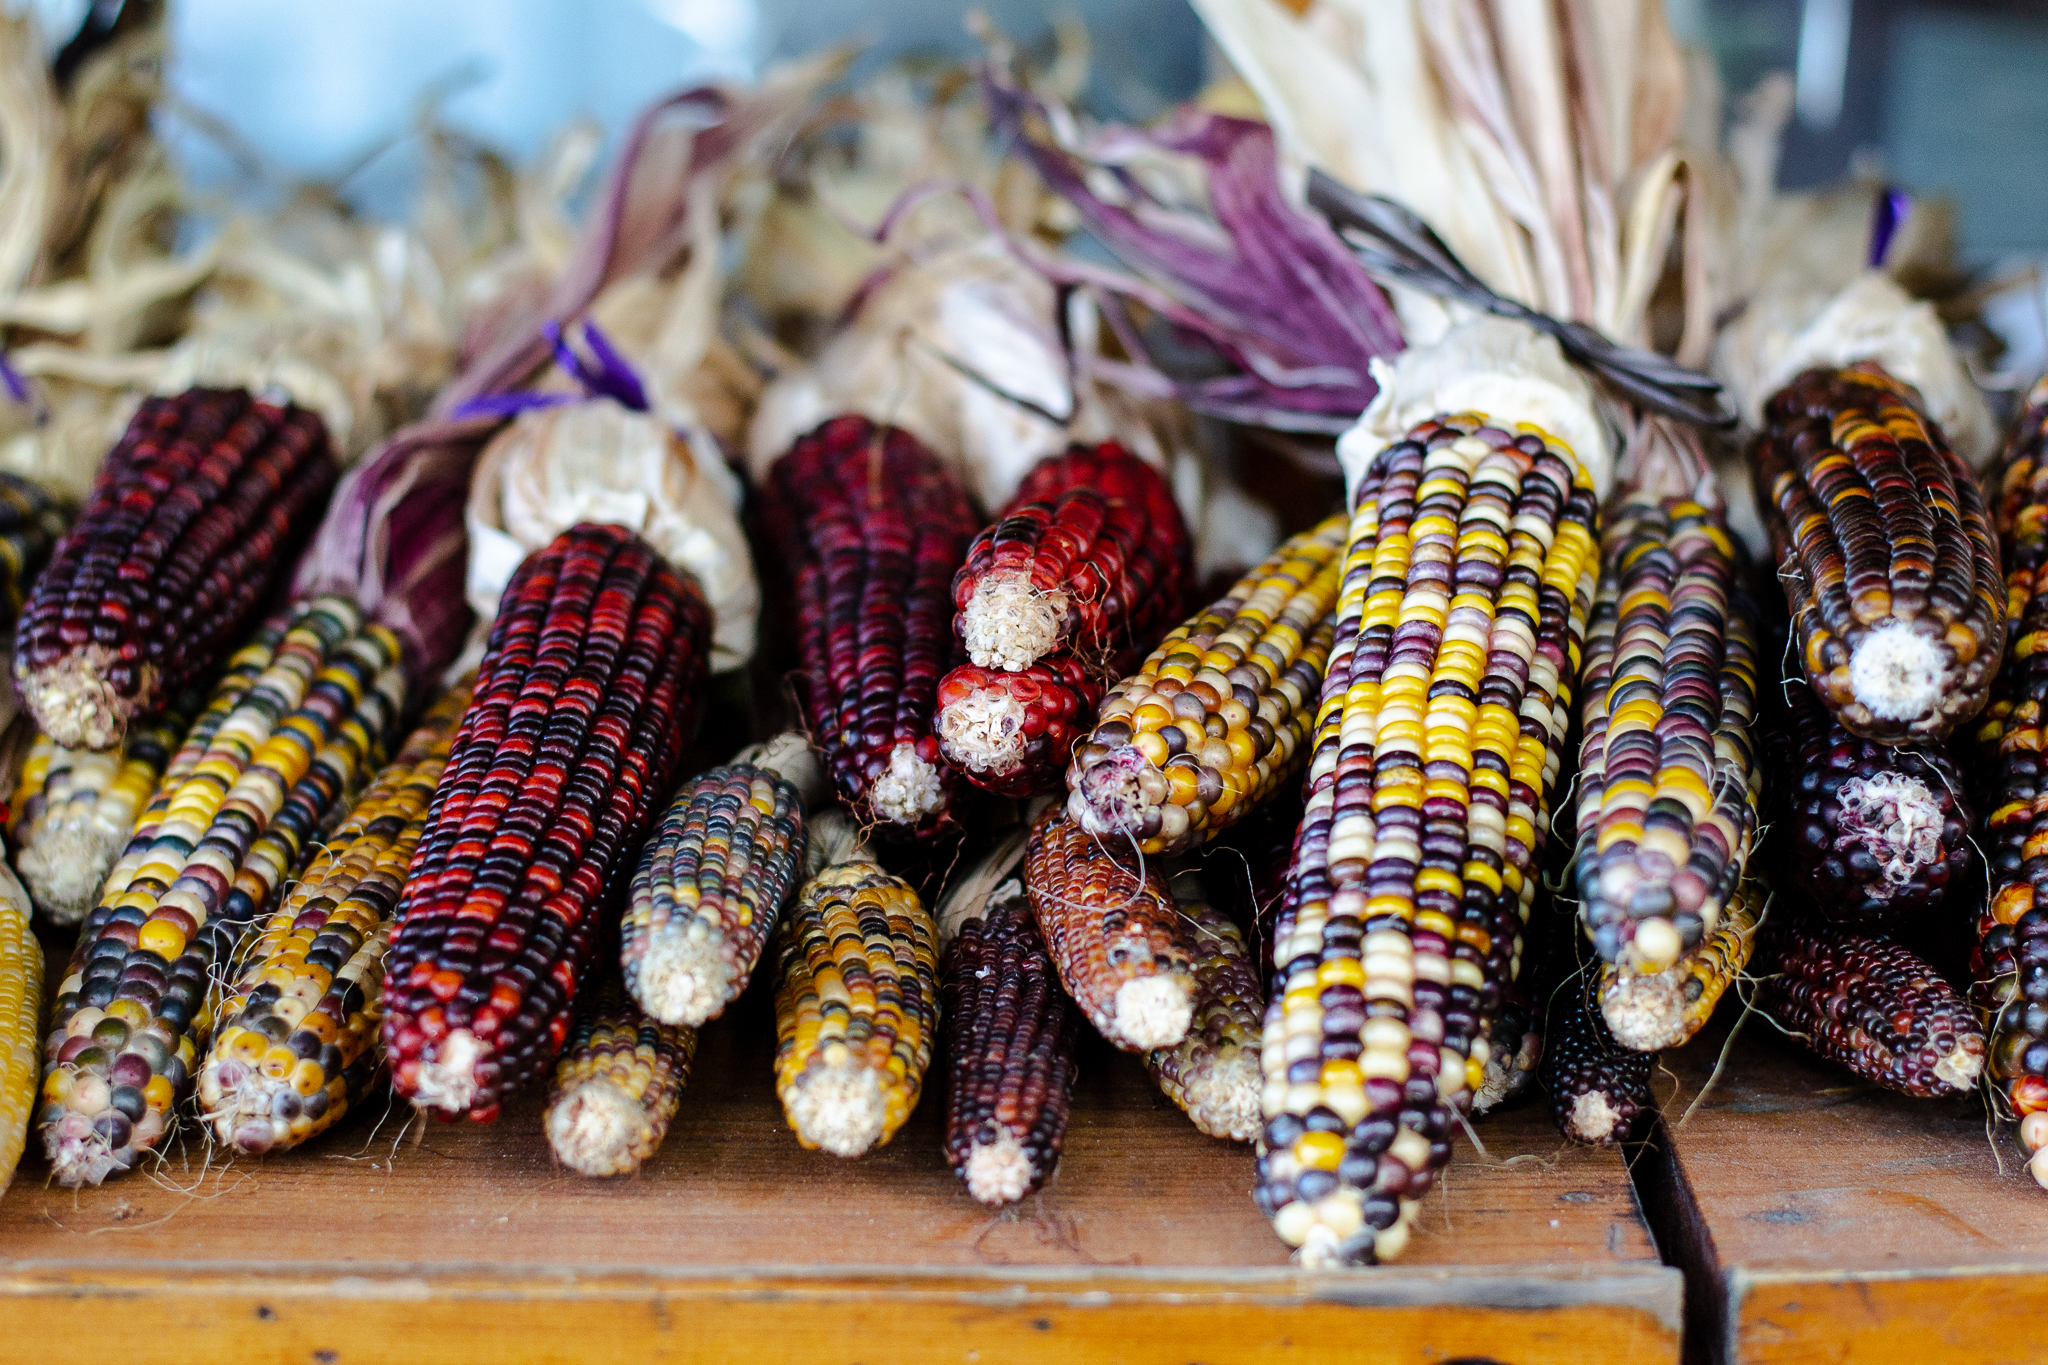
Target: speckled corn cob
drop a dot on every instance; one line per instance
(1872, 1006)
(585, 698)
(297, 1046)
(1648, 1011)
(1668, 780)
(1597, 1087)
(1091, 555)
(1116, 938)
(139, 1002)
(617, 1087)
(198, 513)
(1438, 741)
(873, 529)
(1868, 834)
(712, 879)
(30, 524)
(1885, 552)
(1215, 721)
(856, 1007)
(21, 1012)
(1213, 1073)
(1013, 733)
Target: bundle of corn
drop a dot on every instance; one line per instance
(21, 1013)
(617, 1086)
(1213, 1073)
(1647, 1011)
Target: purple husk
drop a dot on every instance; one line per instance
(17, 387)
(610, 375)
(1886, 215)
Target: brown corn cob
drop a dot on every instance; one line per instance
(1597, 1087)
(1648, 1011)
(197, 515)
(617, 1087)
(140, 998)
(1013, 733)
(1885, 552)
(297, 1046)
(30, 524)
(585, 697)
(713, 878)
(874, 529)
(1872, 1006)
(1213, 1073)
(21, 1011)
(1090, 556)
(1215, 721)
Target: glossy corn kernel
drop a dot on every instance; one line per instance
(616, 1088)
(1871, 1006)
(21, 1011)
(1649, 1011)
(1213, 1073)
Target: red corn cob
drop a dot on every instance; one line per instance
(874, 529)
(1012, 733)
(198, 513)
(1091, 555)
(584, 700)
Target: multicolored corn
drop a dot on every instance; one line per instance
(296, 1049)
(585, 698)
(617, 1087)
(1437, 745)
(1597, 1087)
(1090, 556)
(1216, 719)
(1213, 1073)
(1668, 779)
(21, 1015)
(1872, 1006)
(1885, 551)
(286, 758)
(856, 1006)
(30, 524)
(1115, 936)
(874, 529)
(1649, 1011)
(1013, 733)
(197, 516)
(714, 875)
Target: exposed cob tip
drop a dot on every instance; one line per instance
(77, 704)
(597, 1129)
(686, 978)
(1154, 1011)
(66, 867)
(252, 1099)
(1224, 1100)
(1506, 1072)
(1898, 673)
(837, 1105)
(1122, 793)
(1963, 1065)
(1593, 1119)
(446, 1081)
(984, 731)
(909, 790)
(998, 1172)
(1897, 818)
(1008, 623)
(1645, 1011)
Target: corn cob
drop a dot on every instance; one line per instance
(1872, 1006)
(296, 1047)
(712, 879)
(1885, 552)
(1597, 1087)
(617, 1086)
(1213, 1073)
(1091, 556)
(1013, 733)
(585, 697)
(1114, 936)
(30, 524)
(21, 1009)
(76, 808)
(139, 1003)
(197, 514)
(1652, 1010)
(1668, 780)
(874, 528)
(1514, 1053)
(1867, 833)
(1437, 745)
(1215, 720)
(856, 1006)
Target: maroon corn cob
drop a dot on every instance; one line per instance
(196, 516)
(873, 528)
(1091, 555)
(1872, 1006)
(583, 703)
(1012, 733)
(1598, 1088)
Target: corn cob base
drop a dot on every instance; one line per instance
(1649, 1011)
(1598, 1089)
(1213, 1074)
(616, 1089)
(1875, 1008)
(1012, 733)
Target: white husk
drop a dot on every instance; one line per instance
(987, 883)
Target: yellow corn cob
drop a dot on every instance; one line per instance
(1664, 1009)
(21, 1007)
(1214, 722)
(616, 1087)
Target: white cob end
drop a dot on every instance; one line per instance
(79, 1156)
(1224, 1099)
(1963, 1066)
(74, 703)
(998, 1172)
(1897, 673)
(1645, 1013)
(983, 731)
(1153, 1011)
(448, 1082)
(596, 1129)
(65, 868)
(684, 978)
(1592, 1118)
(1009, 624)
(238, 1101)
(909, 791)
(1898, 818)
(838, 1108)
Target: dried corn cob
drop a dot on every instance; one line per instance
(140, 1000)
(856, 1006)
(1867, 833)
(1215, 721)
(30, 524)
(585, 697)
(1668, 780)
(76, 808)
(1885, 552)
(1514, 1052)
(1597, 1087)
(1872, 1006)
(616, 1087)
(1213, 1073)
(712, 879)
(874, 528)
(198, 513)
(1437, 745)
(1090, 556)
(1114, 935)
(21, 1010)
(296, 1047)
(1648, 1011)
(1013, 733)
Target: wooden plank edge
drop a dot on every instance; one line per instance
(1669, 1206)
(1917, 1316)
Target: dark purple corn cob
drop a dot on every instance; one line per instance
(873, 529)
(197, 515)
(585, 698)
(1597, 1087)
